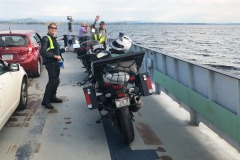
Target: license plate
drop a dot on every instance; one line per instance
(122, 102)
(7, 57)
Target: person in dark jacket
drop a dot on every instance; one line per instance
(51, 55)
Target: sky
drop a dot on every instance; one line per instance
(175, 11)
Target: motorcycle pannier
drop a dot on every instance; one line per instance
(144, 83)
(91, 98)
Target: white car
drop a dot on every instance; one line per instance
(13, 90)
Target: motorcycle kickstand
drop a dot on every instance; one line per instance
(101, 118)
(84, 81)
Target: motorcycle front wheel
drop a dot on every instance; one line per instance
(126, 125)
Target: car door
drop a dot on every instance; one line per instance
(9, 93)
(38, 39)
(36, 44)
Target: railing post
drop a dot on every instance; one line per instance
(176, 72)
(211, 85)
(155, 67)
(164, 69)
(176, 76)
(193, 113)
(145, 61)
(238, 113)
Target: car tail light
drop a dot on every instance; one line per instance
(30, 49)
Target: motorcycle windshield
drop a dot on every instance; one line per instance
(88, 44)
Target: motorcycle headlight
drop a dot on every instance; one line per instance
(108, 95)
(100, 55)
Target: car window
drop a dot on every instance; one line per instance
(1, 42)
(13, 40)
(37, 38)
(34, 39)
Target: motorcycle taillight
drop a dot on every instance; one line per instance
(120, 95)
(88, 99)
(143, 82)
(149, 84)
(132, 78)
(114, 86)
(107, 84)
(117, 86)
(91, 98)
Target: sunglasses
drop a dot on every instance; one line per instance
(53, 27)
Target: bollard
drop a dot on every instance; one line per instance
(70, 26)
(65, 40)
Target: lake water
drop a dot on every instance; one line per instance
(214, 45)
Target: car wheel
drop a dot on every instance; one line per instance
(23, 96)
(38, 70)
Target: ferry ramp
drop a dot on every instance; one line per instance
(69, 131)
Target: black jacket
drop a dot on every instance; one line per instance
(48, 56)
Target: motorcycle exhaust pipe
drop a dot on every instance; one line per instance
(137, 103)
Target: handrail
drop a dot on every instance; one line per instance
(210, 95)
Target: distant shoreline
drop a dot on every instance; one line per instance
(121, 23)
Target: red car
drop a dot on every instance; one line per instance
(23, 47)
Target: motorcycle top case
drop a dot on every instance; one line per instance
(91, 98)
(144, 83)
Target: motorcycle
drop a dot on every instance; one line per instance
(89, 51)
(116, 87)
(93, 51)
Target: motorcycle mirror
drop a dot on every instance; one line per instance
(121, 34)
(76, 45)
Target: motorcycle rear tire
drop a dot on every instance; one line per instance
(126, 125)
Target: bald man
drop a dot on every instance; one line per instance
(83, 31)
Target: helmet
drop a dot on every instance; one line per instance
(123, 43)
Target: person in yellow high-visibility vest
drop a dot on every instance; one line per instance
(100, 32)
(51, 55)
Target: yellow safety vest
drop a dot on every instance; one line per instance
(51, 46)
(99, 37)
